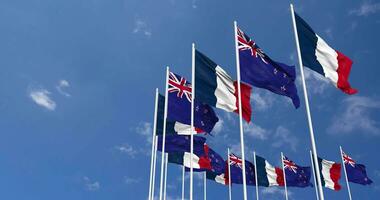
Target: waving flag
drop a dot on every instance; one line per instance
(219, 178)
(179, 143)
(179, 105)
(356, 173)
(236, 168)
(216, 162)
(267, 175)
(330, 174)
(201, 159)
(257, 69)
(320, 57)
(216, 88)
(172, 127)
(296, 176)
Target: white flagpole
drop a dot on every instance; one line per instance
(183, 182)
(256, 178)
(313, 145)
(229, 174)
(240, 113)
(204, 186)
(192, 117)
(166, 173)
(283, 171)
(164, 133)
(345, 172)
(315, 178)
(153, 141)
(154, 166)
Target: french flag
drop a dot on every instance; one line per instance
(320, 57)
(215, 87)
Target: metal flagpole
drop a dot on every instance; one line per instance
(240, 113)
(164, 133)
(154, 166)
(183, 182)
(153, 141)
(166, 173)
(229, 174)
(345, 172)
(315, 179)
(192, 117)
(313, 146)
(283, 171)
(256, 178)
(204, 186)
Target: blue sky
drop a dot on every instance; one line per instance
(77, 88)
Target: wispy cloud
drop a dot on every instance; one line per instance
(275, 191)
(42, 98)
(283, 137)
(256, 131)
(316, 83)
(130, 180)
(145, 129)
(262, 100)
(62, 85)
(141, 27)
(194, 4)
(127, 149)
(366, 8)
(91, 185)
(218, 127)
(355, 114)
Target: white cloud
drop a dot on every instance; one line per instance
(91, 185)
(141, 27)
(194, 4)
(127, 149)
(366, 8)
(145, 129)
(218, 127)
(275, 191)
(62, 84)
(129, 180)
(315, 82)
(256, 131)
(329, 33)
(355, 114)
(41, 97)
(262, 100)
(283, 137)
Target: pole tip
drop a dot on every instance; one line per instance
(156, 90)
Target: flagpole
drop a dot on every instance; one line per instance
(154, 166)
(313, 145)
(166, 173)
(240, 113)
(164, 133)
(256, 178)
(345, 172)
(204, 186)
(229, 174)
(153, 141)
(192, 117)
(315, 178)
(283, 171)
(183, 182)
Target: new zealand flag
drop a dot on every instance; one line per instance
(179, 143)
(179, 105)
(236, 168)
(356, 173)
(257, 69)
(296, 176)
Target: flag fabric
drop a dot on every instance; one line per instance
(180, 143)
(320, 57)
(200, 160)
(257, 69)
(330, 174)
(236, 167)
(296, 176)
(215, 87)
(356, 173)
(216, 162)
(179, 105)
(219, 178)
(267, 175)
(172, 127)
